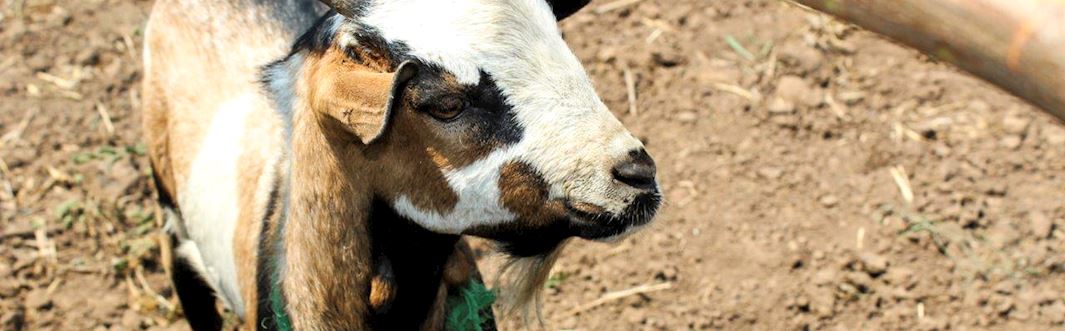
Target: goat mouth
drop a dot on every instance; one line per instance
(578, 221)
(606, 226)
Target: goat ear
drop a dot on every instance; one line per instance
(361, 99)
(565, 8)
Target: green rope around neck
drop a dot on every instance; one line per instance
(277, 305)
(465, 308)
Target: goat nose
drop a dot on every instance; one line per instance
(637, 170)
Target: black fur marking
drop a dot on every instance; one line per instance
(371, 40)
(503, 125)
(518, 240)
(319, 37)
(417, 258)
(599, 226)
(197, 298)
(264, 268)
(164, 199)
(530, 242)
(565, 8)
(489, 119)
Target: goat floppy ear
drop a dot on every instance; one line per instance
(362, 99)
(565, 8)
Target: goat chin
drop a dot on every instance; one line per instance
(522, 281)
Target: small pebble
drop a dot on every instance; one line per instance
(829, 201)
(874, 264)
(779, 106)
(1041, 225)
(1015, 124)
(1011, 142)
(38, 299)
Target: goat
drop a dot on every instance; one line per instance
(317, 170)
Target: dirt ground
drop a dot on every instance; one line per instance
(816, 176)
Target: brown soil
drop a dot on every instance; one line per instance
(785, 141)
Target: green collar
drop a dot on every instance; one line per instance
(277, 304)
(466, 309)
(470, 308)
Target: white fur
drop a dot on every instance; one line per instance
(209, 201)
(569, 134)
(478, 192)
(282, 85)
(191, 253)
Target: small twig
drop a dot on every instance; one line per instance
(8, 192)
(630, 88)
(71, 95)
(134, 292)
(58, 175)
(737, 90)
(21, 127)
(130, 47)
(84, 270)
(903, 131)
(658, 24)
(53, 286)
(151, 292)
(59, 82)
(738, 48)
(617, 295)
(835, 106)
(4, 169)
(860, 240)
(612, 6)
(903, 182)
(653, 36)
(45, 247)
(106, 117)
(26, 233)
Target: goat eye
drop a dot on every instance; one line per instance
(448, 110)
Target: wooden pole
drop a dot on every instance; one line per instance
(1018, 45)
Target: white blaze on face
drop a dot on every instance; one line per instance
(478, 196)
(569, 136)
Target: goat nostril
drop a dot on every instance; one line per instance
(638, 171)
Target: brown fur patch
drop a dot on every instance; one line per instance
(524, 192)
(252, 198)
(383, 286)
(411, 170)
(461, 266)
(327, 251)
(439, 159)
(588, 208)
